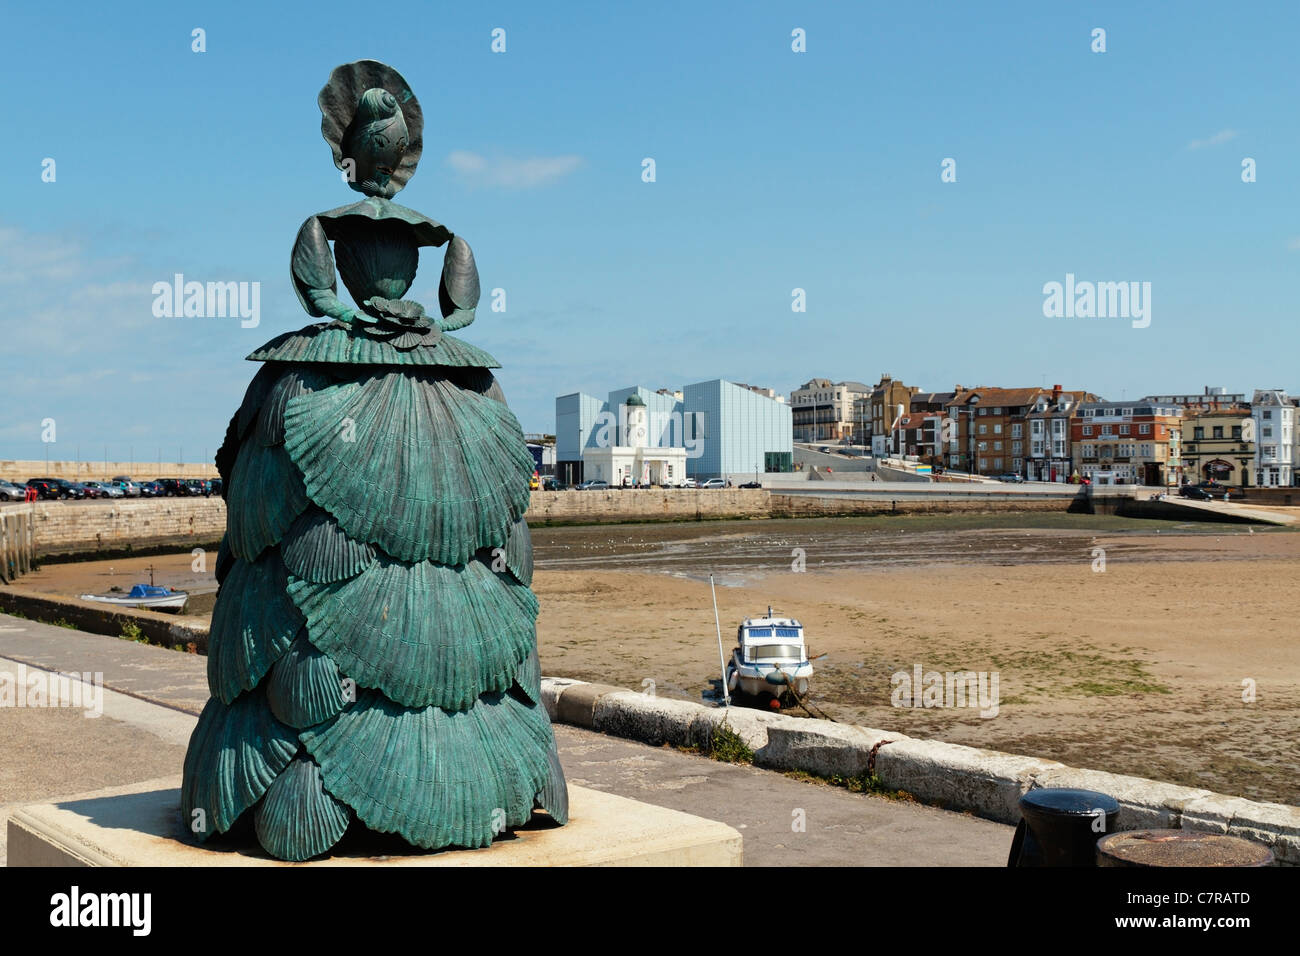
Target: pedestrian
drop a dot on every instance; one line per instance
(1226, 494)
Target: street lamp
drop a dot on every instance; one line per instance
(971, 403)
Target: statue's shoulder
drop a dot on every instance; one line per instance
(427, 232)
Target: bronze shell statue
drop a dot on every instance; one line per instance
(372, 658)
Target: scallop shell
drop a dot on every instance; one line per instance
(554, 795)
(316, 549)
(320, 343)
(516, 556)
(267, 495)
(226, 455)
(459, 276)
(528, 677)
(305, 686)
(435, 472)
(291, 384)
(235, 754)
(253, 623)
(225, 561)
(266, 378)
(298, 819)
(423, 633)
(436, 778)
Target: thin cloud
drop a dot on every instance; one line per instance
(505, 172)
(1222, 136)
(1294, 244)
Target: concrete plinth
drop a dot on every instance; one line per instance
(141, 826)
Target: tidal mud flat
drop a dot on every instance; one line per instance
(1119, 644)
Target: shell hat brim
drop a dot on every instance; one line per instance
(338, 101)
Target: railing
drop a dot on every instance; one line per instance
(17, 538)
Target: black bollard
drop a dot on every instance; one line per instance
(1061, 826)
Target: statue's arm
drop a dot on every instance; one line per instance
(458, 291)
(314, 278)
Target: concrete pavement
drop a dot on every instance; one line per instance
(152, 695)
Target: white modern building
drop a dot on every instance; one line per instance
(724, 429)
(625, 456)
(1274, 415)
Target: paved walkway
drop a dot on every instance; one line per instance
(154, 694)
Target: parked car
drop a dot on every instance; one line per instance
(1195, 493)
(1011, 478)
(1215, 490)
(594, 484)
(752, 484)
(688, 483)
(90, 490)
(714, 483)
(129, 488)
(199, 486)
(551, 483)
(11, 492)
(47, 489)
(150, 489)
(825, 449)
(173, 487)
(109, 489)
(68, 490)
(217, 485)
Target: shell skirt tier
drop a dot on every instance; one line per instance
(372, 658)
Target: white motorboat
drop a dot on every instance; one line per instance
(770, 659)
(157, 598)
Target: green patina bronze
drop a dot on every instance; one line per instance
(373, 652)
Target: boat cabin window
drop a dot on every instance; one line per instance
(760, 632)
(788, 632)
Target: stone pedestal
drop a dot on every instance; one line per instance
(141, 826)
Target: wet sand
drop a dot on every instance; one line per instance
(1137, 668)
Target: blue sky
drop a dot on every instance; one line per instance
(775, 171)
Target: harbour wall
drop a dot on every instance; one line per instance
(19, 470)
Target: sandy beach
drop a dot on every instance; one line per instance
(1137, 668)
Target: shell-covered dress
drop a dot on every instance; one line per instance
(372, 657)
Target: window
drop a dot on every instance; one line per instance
(1266, 414)
(1016, 448)
(1087, 429)
(1058, 426)
(1123, 429)
(1144, 429)
(997, 446)
(997, 411)
(982, 446)
(1268, 431)
(983, 411)
(1236, 433)
(1017, 463)
(997, 429)
(997, 463)
(1017, 430)
(1218, 431)
(983, 428)
(1037, 427)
